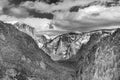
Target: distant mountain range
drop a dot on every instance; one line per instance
(58, 45)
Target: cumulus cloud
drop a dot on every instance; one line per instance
(18, 12)
(38, 23)
(61, 9)
(62, 5)
(36, 5)
(8, 8)
(3, 3)
(44, 7)
(11, 9)
(93, 17)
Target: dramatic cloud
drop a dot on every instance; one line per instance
(18, 12)
(17, 2)
(11, 9)
(3, 3)
(90, 18)
(38, 23)
(35, 5)
(39, 13)
(36, 14)
(44, 7)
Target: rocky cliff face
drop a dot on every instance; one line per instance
(25, 28)
(91, 55)
(66, 45)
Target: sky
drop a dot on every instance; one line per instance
(71, 15)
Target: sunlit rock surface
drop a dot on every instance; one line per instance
(66, 45)
(91, 55)
(25, 28)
